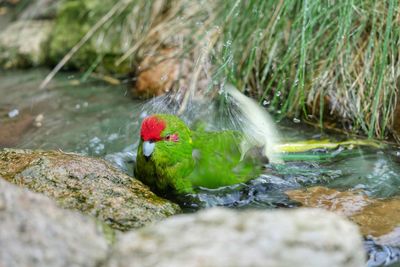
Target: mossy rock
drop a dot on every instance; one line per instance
(74, 20)
(90, 185)
(23, 44)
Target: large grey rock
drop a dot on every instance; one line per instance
(23, 43)
(35, 232)
(220, 237)
(87, 184)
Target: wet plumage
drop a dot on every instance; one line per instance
(173, 159)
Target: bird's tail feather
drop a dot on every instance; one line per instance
(258, 126)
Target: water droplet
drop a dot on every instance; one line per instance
(164, 77)
(279, 93)
(96, 146)
(112, 137)
(95, 140)
(143, 115)
(13, 113)
(38, 120)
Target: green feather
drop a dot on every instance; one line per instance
(218, 162)
(198, 159)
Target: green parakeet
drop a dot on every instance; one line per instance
(173, 159)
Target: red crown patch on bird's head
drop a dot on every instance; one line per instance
(151, 128)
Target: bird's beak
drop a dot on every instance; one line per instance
(148, 148)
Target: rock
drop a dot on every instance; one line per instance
(222, 237)
(345, 203)
(158, 74)
(379, 218)
(22, 43)
(169, 69)
(90, 185)
(35, 232)
(375, 217)
(74, 19)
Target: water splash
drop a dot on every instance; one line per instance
(228, 110)
(381, 255)
(255, 122)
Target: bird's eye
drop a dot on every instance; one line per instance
(171, 137)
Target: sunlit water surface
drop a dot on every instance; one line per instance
(101, 120)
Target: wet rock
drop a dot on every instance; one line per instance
(379, 218)
(374, 216)
(222, 237)
(90, 185)
(12, 129)
(345, 203)
(22, 43)
(34, 231)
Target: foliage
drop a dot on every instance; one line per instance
(75, 18)
(319, 60)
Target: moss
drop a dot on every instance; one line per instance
(13, 162)
(10, 58)
(23, 43)
(75, 19)
(89, 185)
(108, 232)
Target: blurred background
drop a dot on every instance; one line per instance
(79, 75)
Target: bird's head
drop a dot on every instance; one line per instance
(164, 135)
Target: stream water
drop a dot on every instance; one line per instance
(97, 119)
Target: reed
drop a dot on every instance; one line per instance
(318, 60)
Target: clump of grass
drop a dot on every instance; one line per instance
(315, 60)
(318, 58)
